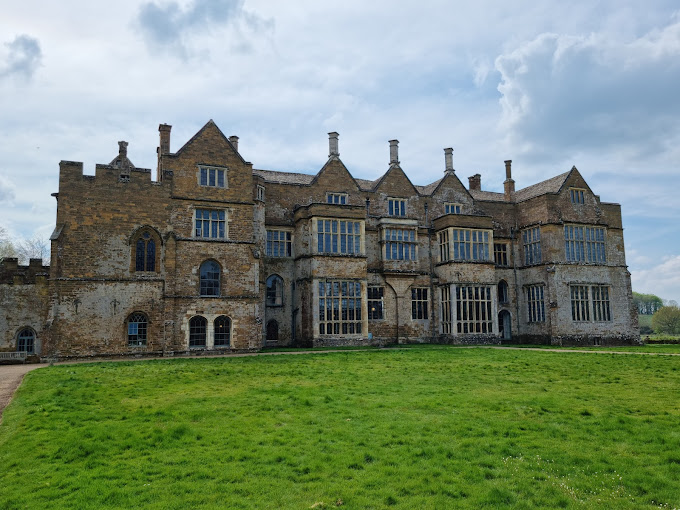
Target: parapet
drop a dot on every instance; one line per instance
(11, 273)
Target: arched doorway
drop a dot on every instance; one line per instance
(272, 331)
(505, 325)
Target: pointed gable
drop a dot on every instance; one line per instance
(395, 183)
(210, 149)
(334, 177)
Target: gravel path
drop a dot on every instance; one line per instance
(10, 379)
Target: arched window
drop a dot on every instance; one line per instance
(272, 330)
(210, 278)
(137, 327)
(197, 331)
(145, 253)
(274, 290)
(502, 292)
(26, 340)
(222, 331)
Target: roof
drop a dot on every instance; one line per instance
(284, 177)
(552, 185)
(489, 196)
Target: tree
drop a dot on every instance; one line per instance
(34, 248)
(6, 246)
(667, 320)
(647, 304)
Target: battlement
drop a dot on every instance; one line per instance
(11, 273)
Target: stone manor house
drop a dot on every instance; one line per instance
(217, 255)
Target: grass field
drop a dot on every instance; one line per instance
(413, 429)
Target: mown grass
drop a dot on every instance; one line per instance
(653, 348)
(415, 428)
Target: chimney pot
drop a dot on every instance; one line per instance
(475, 182)
(448, 158)
(234, 141)
(333, 148)
(394, 152)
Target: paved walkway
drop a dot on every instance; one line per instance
(12, 375)
(10, 379)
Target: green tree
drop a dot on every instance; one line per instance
(647, 304)
(667, 320)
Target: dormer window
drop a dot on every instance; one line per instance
(336, 198)
(212, 177)
(577, 195)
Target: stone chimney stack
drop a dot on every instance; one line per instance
(333, 148)
(164, 130)
(394, 152)
(448, 158)
(508, 184)
(475, 182)
(234, 141)
(122, 149)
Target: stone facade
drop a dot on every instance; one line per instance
(216, 255)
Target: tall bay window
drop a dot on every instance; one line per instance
(338, 236)
(400, 244)
(531, 242)
(465, 244)
(339, 307)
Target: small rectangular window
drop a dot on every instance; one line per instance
(212, 177)
(500, 254)
(419, 304)
(451, 208)
(260, 193)
(375, 303)
(577, 196)
(336, 198)
(396, 206)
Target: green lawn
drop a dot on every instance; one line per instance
(411, 429)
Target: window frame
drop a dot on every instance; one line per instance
(474, 309)
(224, 335)
(585, 243)
(339, 307)
(337, 198)
(399, 243)
(397, 207)
(274, 291)
(577, 195)
(23, 339)
(198, 332)
(275, 245)
(334, 238)
(453, 208)
(260, 193)
(531, 245)
(580, 302)
(141, 334)
(446, 319)
(375, 297)
(205, 287)
(210, 176)
(500, 251)
(218, 227)
(535, 294)
(420, 304)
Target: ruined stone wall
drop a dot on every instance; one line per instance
(24, 300)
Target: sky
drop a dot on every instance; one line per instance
(548, 84)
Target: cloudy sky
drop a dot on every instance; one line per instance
(548, 84)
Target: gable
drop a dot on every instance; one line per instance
(395, 183)
(334, 177)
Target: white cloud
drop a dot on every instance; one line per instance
(662, 280)
(583, 92)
